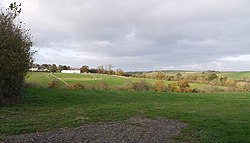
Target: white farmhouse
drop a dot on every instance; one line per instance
(33, 69)
(71, 71)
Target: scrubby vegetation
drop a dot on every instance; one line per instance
(155, 81)
(215, 81)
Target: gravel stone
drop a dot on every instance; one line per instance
(133, 130)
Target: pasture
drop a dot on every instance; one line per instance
(211, 117)
(217, 117)
(42, 79)
(236, 75)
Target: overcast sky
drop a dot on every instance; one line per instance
(140, 34)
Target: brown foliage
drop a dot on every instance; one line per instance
(140, 86)
(184, 86)
(53, 84)
(77, 86)
(159, 86)
(103, 85)
(172, 87)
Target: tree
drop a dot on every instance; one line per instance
(15, 54)
(84, 69)
(66, 67)
(110, 71)
(60, 68)
(92, 70)
(53, 68)
(101, 69)
(120, 72)
(63, 67)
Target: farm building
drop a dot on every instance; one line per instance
(37, 69)
(33, 69)
(71, 71)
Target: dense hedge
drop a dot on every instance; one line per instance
(15, 54)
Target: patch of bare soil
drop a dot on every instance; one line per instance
(134, 130)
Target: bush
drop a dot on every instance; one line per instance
(211, 89)
(159, 86)
(140, 86)
(126, 87)
(77, 86)
(15, 54)
(184, 86)
(243, 86)
(103, 85)
(90, 87)
(81, 86)
(53, 84)
(172, 87)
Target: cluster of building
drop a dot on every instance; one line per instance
(38, 70)
(35, 69)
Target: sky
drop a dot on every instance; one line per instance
(140, 35)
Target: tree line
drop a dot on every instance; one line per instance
(104, 69)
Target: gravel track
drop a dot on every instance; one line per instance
(133, 130)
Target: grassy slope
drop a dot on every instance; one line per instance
(214, 117)
(236, 75)
(42, 79)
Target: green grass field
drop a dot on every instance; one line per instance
(217, 117)
(42, 79)
(214, 117)
(236, 75)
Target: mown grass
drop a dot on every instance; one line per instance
(217, 117)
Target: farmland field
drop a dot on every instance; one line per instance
(217, 117)
(211, 117)
(236, 75)
(93, 79)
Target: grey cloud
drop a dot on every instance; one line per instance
(140, 34)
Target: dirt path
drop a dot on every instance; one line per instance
(134, 130)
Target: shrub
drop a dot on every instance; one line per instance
(172, 87)
(103, 85)
(160, 76)
(15, 54)
(243, 86)
(212, 76)
(126, 87)
(140, 86)
(211, 89)
(184, 86)
(90, 87)
(77, 86)
(159, 86)
(81, 86)
(53, 84)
